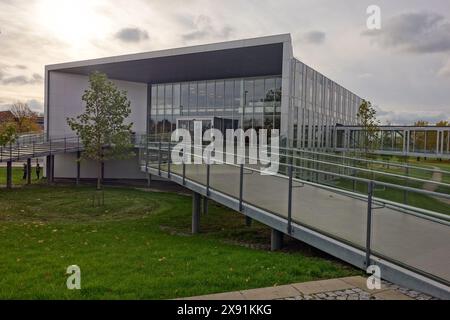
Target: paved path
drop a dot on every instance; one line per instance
(349, 288)
(437, 176)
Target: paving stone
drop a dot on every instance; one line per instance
(321, 286)
(392, 295)
(349, 291)
(270, 293)
(361, 283)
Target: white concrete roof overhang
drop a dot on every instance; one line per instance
(242, 58)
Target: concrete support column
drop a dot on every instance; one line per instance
(48, 168)
(248, 221)
(52, 168)
(29, 171)
(78, 167)
(9, 175)
(196, 202)
(276, 240)
(205, 205)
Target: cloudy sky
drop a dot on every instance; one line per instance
(404, 68)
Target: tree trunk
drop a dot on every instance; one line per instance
(99, 175)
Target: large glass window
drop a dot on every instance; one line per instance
(211, 92)
(234, 103)
(229, 86)
(220, 89)
(259, 96)
(201, 97)
(168, 124)
(184, 99)
(176, 100)
(193, 97)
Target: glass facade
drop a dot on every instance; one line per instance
(318, 105)
(230, 103)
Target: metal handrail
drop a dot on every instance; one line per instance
(365, 180)
(393, 164)
(355, 168)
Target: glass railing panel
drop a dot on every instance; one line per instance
(225, 178)
(412, 241)
(340, 216)
(268, 192)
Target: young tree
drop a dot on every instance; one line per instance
(368, 121)
(102, 127)
(24, 117)
(8, 133)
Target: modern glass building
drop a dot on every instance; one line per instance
(316, 106)
(252, 83)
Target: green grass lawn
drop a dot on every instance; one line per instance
(17, 176)
(138, 246)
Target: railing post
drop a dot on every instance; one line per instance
(146, 155)
(34, 148)
(159, 158)
(289, 229)
(370, 188)
(208, 167)
(184, 173)
(65, 144)
(241, 186)
(405, 192)
(168, 160)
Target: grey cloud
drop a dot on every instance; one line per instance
(314, 37)
(409, 118)
(36, 105)
(200, 34)
(132, 35)
(21, 66)
(21, 80)
(204, 29)
(419, 32)
(444, 71)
